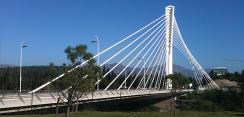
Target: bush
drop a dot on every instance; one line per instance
(214, 100)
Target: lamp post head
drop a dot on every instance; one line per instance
(22, 45)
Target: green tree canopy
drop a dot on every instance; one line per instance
(80, 81)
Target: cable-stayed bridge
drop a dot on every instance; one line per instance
(150, 49)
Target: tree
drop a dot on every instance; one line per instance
(178, 80)
(242, 76)
(52, 72)
(79, 82)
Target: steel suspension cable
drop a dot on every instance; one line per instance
(60, 76)
(140, 60)
(155, 64)
(162, 44)
(147, 60)
(137, 53)
(199, 68)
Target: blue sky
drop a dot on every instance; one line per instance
(212, 29)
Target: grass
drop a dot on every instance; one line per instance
(140, 114)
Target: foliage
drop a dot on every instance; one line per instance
(35, 76)
(179, 81)
(236, 76)
(78, 54)
(215, 100)
(80, 81)
(32, 76)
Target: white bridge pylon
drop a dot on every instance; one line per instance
(148, 57)
(169, 14)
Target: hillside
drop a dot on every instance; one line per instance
(176, 68)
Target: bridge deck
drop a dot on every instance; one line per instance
(38, 99)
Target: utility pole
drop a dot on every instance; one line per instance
(20, 65)
(98, 58)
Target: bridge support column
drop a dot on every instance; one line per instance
(169, 13)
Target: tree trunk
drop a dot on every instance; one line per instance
(69, 103)
(77, 105)
(57, 107)
(68, 111)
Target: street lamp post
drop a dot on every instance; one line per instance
(98, 58)
(20, 66)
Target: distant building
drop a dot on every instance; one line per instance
(220, 71)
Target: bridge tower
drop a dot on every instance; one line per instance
(169, 14)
